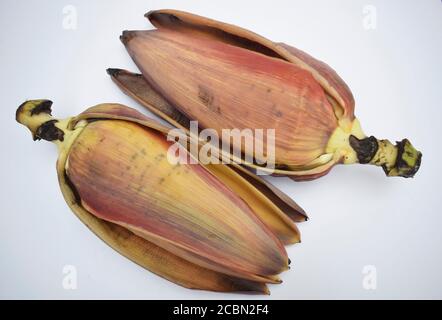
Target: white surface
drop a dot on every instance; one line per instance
(358, 216)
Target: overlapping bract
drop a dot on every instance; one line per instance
(201, 226)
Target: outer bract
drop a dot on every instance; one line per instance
(208, 227)
(227, 77)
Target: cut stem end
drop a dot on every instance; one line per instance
(36, 116)
(401, 160)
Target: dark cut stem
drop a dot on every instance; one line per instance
(365, 148)
(49, 132)
(36, 116)
(401, 159)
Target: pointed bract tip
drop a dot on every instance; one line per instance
(113, 72)
(162, 17)
(126, 36)
(149, 13)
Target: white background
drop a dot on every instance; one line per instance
(358, 216)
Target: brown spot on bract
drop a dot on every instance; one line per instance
(206, 97)
(276, 111)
